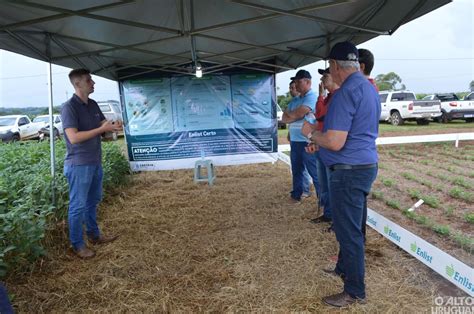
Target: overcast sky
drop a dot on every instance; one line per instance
(434, 53)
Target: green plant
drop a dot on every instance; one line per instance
(27, 209)
(459, 193)
(469, 217)
(408, 176)
(462, 182)
(377, 195)
(442, 230)
(393, 203)
(449, 210)
(387, 182)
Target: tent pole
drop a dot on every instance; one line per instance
(51, 132)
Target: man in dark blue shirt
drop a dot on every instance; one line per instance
(83, 124)
(348, 149)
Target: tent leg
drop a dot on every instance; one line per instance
(51, 132)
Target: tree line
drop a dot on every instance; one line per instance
(389, 81)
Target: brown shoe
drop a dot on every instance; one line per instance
(84, 253)
(103, 239)
(342, 299)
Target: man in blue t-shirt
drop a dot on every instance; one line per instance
(294, 116)
(83, 124)
(347, 148)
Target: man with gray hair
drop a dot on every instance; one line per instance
(347, 148)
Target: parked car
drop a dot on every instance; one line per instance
(400, 106)
(18, 127)
(45, 132)
(113, 112)
(452, 108)
(57, 122)
(281, 125)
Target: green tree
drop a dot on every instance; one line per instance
(471, 86)
(389, 81)
(284, 100)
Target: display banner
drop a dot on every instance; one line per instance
(172, 122)
(441, 262)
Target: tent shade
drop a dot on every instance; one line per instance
(123, 39)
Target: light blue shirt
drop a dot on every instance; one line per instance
(308, 100)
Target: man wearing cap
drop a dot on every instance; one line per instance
(294, 116)
(321, 109)
(347, 148)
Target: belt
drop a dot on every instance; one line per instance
(351, 167)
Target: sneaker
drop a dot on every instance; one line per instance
(342, 299)
(320, 219)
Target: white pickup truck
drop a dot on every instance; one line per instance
(452, 108)
(58, 124)
(401, 106)
(18, 127)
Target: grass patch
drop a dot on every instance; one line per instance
(394, 204)
(442, 230)
(377, 195)
(408, 176)
(469, 217)
(387, 182)
(459, 193)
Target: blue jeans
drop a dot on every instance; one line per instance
(323, 177)
(85, 194)
(306, 181)
(300, 160)
(348, 190)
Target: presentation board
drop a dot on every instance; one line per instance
(173, 121)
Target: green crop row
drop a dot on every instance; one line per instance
(27, 207)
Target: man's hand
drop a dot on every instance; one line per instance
(311, 148)
(321, 89)
(308, 128)
(111, 126)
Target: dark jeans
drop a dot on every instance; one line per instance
(323, 177)
(299, 160)
(348, 190)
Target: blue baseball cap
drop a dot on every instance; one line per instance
(301, 74)
(344, 51)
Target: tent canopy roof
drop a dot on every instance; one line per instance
(129, 38)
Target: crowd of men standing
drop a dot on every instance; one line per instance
(332, 137)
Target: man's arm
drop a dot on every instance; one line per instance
(332, 139)
(76, 136)
(294, 115)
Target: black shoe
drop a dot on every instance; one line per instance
(320, 219)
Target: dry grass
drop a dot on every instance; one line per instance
(238, 246)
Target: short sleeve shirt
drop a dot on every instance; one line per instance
(308, 100)
(354, 108)
(83, 117)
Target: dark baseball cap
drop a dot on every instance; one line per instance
(344, 51)
(323, 71)
(301, 74)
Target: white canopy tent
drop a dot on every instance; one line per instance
(129, 38)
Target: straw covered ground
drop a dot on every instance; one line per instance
(238, 246)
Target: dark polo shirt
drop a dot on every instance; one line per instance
(83, 117)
